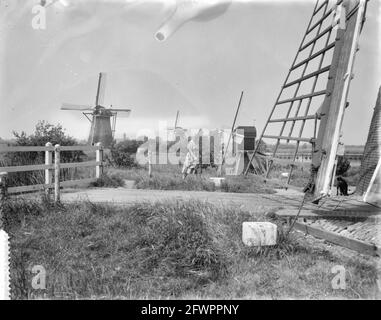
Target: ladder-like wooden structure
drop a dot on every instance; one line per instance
(302, 111)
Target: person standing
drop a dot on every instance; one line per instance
(191, 159)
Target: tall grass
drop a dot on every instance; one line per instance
(90, 249)
(169, 177)
(161, 250)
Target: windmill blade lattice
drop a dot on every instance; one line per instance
(308, 86)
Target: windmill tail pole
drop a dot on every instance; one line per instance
(231, 132)
(177, 118)
(343, 99)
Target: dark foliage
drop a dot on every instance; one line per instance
(123, 153)
(44, 132)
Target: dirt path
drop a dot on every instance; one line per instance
(249, 201)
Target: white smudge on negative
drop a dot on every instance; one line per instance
(4, 266)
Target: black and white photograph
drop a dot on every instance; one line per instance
(190, 157)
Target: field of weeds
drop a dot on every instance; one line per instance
(169, 177)
(183, 249)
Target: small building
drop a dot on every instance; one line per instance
(243, 146)
(246, 133)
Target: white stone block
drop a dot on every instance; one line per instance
(217, 181)
(259, 233)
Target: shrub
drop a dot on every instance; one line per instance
(107, 180)
(245, 184)
(123, 153)
(44, 132)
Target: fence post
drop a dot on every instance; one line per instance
(149, 164)
(3, 195)
(3, 185)
(48, 172)
(57, 157)
(99, 158)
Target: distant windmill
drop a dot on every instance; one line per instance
(102, 126)
(176, 129)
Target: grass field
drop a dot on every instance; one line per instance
(169, 177)
(165, 250)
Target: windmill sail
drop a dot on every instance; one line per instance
(119, 110)
(311, 103)
(81, 107)
(99, 101)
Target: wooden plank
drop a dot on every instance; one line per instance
(318, 53)
(80, 164)
(353, 244)
(305, 96)
(321, 34)
(280, 160)
(26, 168)
(4, 148)
(307, 76)
(325, 16)
(70, 183)
(370, 216)
(288, 138)
(330, 126)
(321, 6)
(35, 187)
(79, 148)
(310, 117)
(25, 149)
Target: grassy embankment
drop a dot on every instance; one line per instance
(165, 250)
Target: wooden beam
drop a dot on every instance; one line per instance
(34, 167)
(353, 244)
(370, 216)
(288, 138)
(25, 149)
(321, 34)
(305, 96)
(316, 54)
(310, 117)
(80, 164)
(330, 126)
(307, 76)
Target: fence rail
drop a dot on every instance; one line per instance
(50, 169)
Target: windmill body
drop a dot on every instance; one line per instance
(103, 120)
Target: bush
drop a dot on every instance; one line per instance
(44, 132)
(110, 181)
(245, 184)
(123, 153)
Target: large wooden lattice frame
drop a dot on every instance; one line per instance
(314, 94)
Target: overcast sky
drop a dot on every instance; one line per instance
(200, 70)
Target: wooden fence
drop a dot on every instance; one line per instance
(51, 169)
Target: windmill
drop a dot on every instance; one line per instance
(173, 131)
(103, 120)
